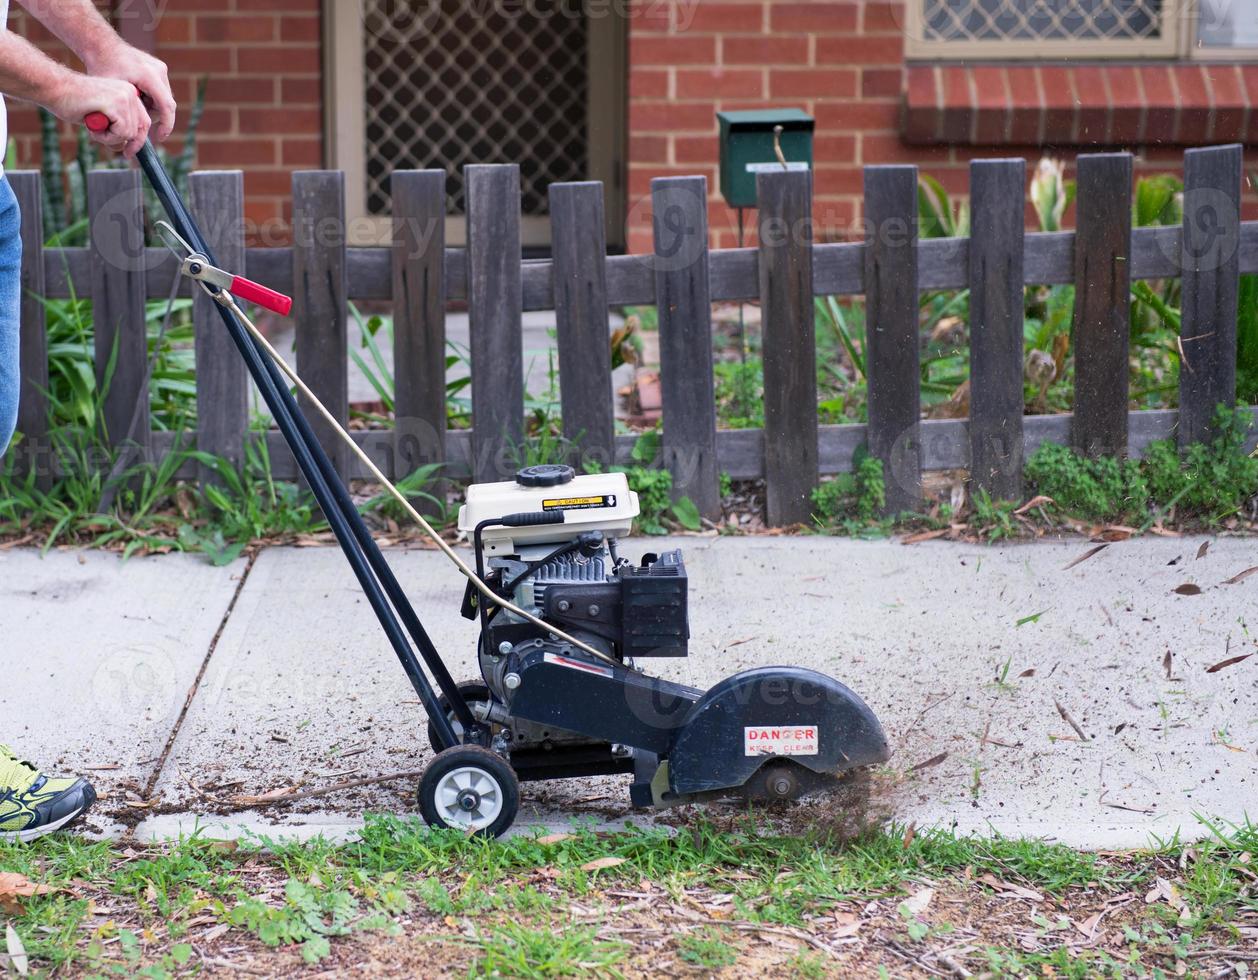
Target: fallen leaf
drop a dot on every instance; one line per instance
(1166, 891)
(1037, 501)
(909, 833)
(846, 925)
(598, 864)
(1009, 888)
(1188, 589)
(1166, 664)
(1029, 672)
(1201, 552)
(916, 903)
(1114, 532)
(934, 760)
(1033, 618)
(554, 838)
(224, 846)
(14, 886)
(1085, 556)
(1088, 926)
(926, 535)
(1241, 576)
(17, 952)
(1230, 661)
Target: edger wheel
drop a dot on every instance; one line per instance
(469, 788)
(471, 691)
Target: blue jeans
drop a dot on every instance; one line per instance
(10, 310)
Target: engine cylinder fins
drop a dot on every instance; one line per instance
(545, 475)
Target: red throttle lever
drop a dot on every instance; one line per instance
(255, 292)
(195, 267)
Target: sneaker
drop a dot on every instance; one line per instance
(32, 804)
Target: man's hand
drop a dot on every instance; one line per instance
(127, 64)
(114, 71)
(78, 95)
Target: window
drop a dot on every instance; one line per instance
(1068, 29)
(1226, 28)
(1043, 29)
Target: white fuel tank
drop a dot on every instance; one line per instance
(592, 502)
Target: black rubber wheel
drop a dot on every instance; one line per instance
(471, 691)
(471, 789)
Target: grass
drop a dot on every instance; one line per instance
(506, 908)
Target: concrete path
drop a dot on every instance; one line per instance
(981, 661)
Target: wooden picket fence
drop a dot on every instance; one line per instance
(420, 275)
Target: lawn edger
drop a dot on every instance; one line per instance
(564, 622)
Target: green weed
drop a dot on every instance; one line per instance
(708, 949)
(858, 496)
(516, 950)
(1209, 481)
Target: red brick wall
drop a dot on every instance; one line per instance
(843, 62)
(264, 109)
(707, 56)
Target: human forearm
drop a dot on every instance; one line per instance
(27, 73)
(109, 60)
(80, 26)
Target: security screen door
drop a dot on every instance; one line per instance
(444, 83)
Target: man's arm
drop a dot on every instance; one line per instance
(106, 56)
(27, 73)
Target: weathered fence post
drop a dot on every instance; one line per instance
(116, 230)
(218, 202)
(682, 300)
(32, 407)
(1102, 318)
(495, 299)
(997, 192)
(585, 375)
(892, 360)
(784, 200)
(320, 303)
(419, 320)
(1210, 259)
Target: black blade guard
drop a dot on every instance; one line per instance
(767, 712)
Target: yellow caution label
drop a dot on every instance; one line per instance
(579, 503)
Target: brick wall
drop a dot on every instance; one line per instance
(840, 61)
(692, 60)
(843, 62)
(264, 114)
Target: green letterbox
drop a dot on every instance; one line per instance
(747, 148)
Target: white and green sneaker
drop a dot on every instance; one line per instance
(32, 804)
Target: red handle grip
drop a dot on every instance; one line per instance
(98, 122)
(254, 292)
